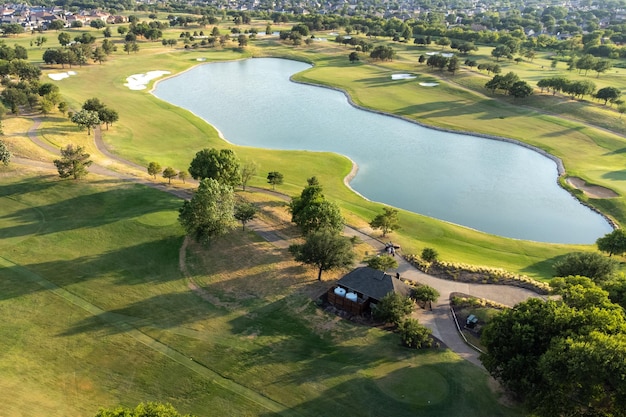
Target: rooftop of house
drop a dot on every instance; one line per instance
(373, 283)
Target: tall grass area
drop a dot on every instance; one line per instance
(96, 312)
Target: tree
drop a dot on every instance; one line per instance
(387, 221)
(547, 352)
(275, 178)
(64, 38)
(382, 262)
(245, 212)
(99, 55)
(169, 173)
(210, 212)
(247, 170)
(56, 24)
(443, 42)
(613, 243)
(73, 163)
(149, 409)
(154, 168)
(587, 264)
(454, 65)
(414, 335)
(353, 57)
(501, 51)
(312, 212)
(86, 119)
(429, 254)
(108, 116)
(221, 165)
(5, 154)
(601, 66)
(324, 249)
(183, 175)
(425, 294)
(393, 308)
(520, 89)
(242, 40)
(608, 94)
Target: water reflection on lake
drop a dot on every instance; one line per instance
(489, 185)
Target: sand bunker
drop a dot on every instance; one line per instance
(200, 59)
(429, 84)
(61, 75)
(402, 76)
(593, 191)
(140, 81)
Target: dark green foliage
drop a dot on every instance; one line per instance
(5, 154)
(429, 254)
(587, 264)
(245, 212)
(425, 294)
(312, 212)
(382, 262)
(275, 178)
(613, 243)
(210, 212)
(73, 163)
(221, 165)
(149, 409)
(393, 308)
(387, 221)
(549, 353)
(324, 249)
(414, 335)
(169, 173)
(154, 168)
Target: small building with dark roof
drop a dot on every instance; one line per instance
(364, 286)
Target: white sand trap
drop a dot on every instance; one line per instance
(447, 55)
(402, 76)
(429, 84)
(139, 81)
(61, 75)
(201, 59)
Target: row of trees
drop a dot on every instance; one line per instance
(510, 84)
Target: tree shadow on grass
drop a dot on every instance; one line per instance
(86, 210)
(446, 109)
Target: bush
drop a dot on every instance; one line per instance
(382, 262)
(429, 255)
(425, 293)
(393, 308)
(586, 264)
(414, 335)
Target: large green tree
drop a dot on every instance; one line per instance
(613, 243)
(221, 165)
(245, 212)
(210, 212)
(387, 221)
(587, 264)
(311, 211)
(548, 353)
(393, 308)
(73, 163)
(326, 250)
(86, 119)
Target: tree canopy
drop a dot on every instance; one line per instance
(5, 154)
(221, 165)
(245, 212)
(210, 212)
(324, 249)
(587, 264)
(548, 352)
(73, 163)
(312, 212)
(387, 221)
(613, 243)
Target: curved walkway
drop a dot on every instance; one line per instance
(439, 319)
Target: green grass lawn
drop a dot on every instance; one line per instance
(97, 313)
(151, 130)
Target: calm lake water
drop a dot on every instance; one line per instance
(489, 185)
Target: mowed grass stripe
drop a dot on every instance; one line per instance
(120, 322)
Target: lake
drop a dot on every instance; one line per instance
(489, 185)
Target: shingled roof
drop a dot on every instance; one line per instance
(373, 283)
